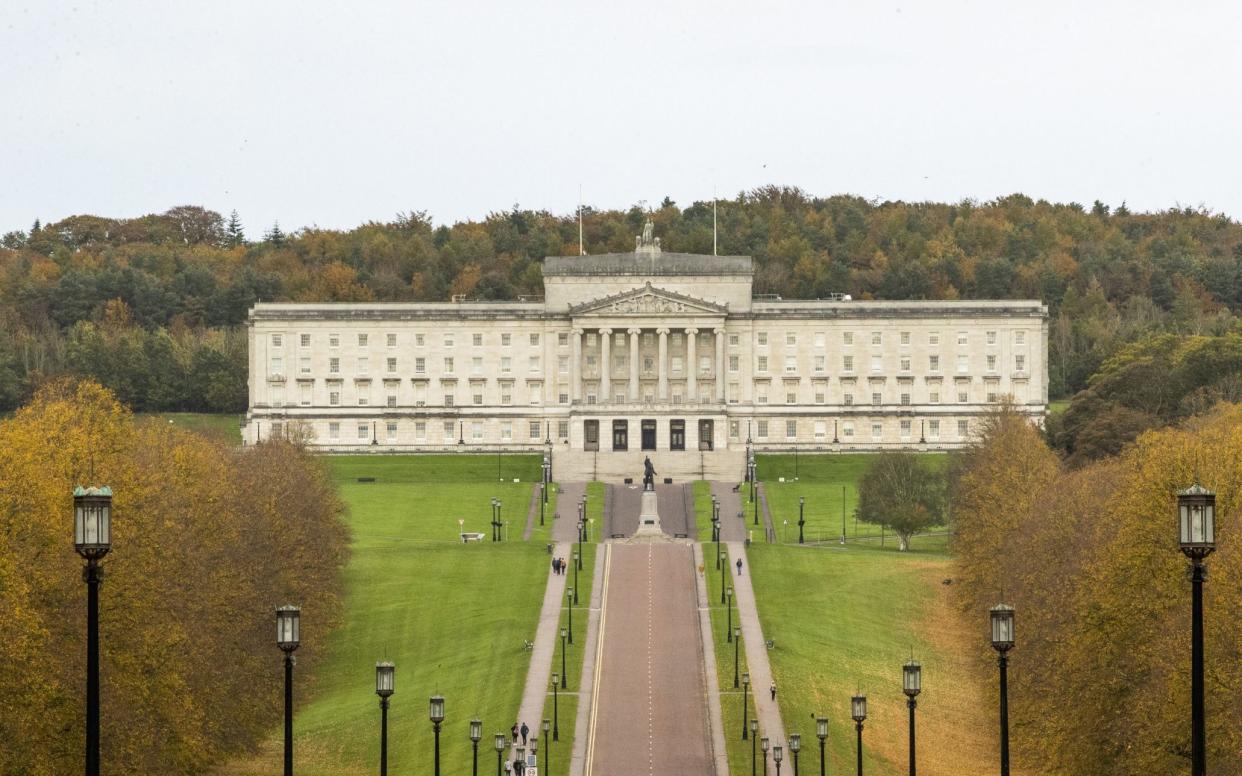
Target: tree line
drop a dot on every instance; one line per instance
(1100, 676)
(1109, 276)
(207, 540)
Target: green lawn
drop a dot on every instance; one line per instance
(452, 617)
(702, 511)
(846, 619)
(730, 699)
(1057, 406)
(227, 427)
(829, 483)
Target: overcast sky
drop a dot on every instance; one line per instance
(335, 113)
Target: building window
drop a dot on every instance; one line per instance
(506, 395)
(536, 392)
(791, 429)
(905, 363)
(821, 394)
(364, 432)
(963, 428)
(962, 396)
(847, 429)
(278, 396)
(448, 400)
(334, 340)
(506, 431)
(933, 429)
(905, 429)
(420, 431)
(334, 398)
(1019, 363)
(761, 429)
(761, 394)
(877, 430)
(877, 338)
(562, 397)
(933, 397)
(791, 364)
(420, 366)
(991, 337)
(278, 340)
(618, 363)
(905, 399)
(450, 431)
(1019, 337)
(847, 364)
(819, 339)
(791, 397)
(875, 399)
(362, 340)
(448, 365)
(933, 338)
(364, 365)
(677, 367)
(476, 340)
(476, 431)
(506, 364)
(618, 339)
(334, 430)
(821, 430)
(391, 340)
(735, 428)
(534, 429)
(304, 394)
(734, 340)
(391, 428)
(562, 365)
(420, 340)
(448, 339)
(791, 338)
(306, 341)
(504, 339)
(991, 362)
(905, 338)
(991, 396)
(562, 429)
(363, 398)
(847, 399)
(734, 364)
(933, 363)
(534, 340)
(562, 339)
(304, 365)
(477, 395)
(278, 365)
(735, 392)
(476, 365)
(963, 364)
(819, 364)
(648, 338)
(391, 399)
(590, 362)
(877, 364)
(961, 338)
(761, 338)
(847, 337)
(391, 365)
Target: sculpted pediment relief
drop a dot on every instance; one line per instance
(648, 301)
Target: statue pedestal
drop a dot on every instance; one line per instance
(649, 516)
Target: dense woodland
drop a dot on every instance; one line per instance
(207, 540)
(150, 306)
(1100, 676)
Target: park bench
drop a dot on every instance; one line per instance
(471, 537)
(528, 645)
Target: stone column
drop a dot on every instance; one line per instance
(575, 369)
(692, 366)
(605, 366)
(636, 394)
(720, 365)
(662, 366)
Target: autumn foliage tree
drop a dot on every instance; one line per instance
(901, 494)
(207, 540)
(1100, 676)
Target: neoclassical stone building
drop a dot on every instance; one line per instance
(644, 353)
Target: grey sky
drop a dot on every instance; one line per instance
(335, 113)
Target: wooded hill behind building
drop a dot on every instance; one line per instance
(150, 306)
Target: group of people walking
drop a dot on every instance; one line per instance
(559, 565)
(517, 731)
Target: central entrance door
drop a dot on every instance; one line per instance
(620, 435)
(677, 435)
(649, 435)
(705, 435)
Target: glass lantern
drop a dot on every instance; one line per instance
(1002, 627)
(821, 728)
(795, 743)
(500, 742)
(858, 707)
(437, 709)
(384, 675)
(912, 678)
(1196, 507)
(288, 627)
(476, 730)
(92, 521)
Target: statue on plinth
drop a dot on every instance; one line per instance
(649, 474)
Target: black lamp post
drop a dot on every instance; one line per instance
(556, 706)
(547, 760)
(577, 565)
(547, 474)
(729, 613)
(543, 502)
(1196, 507)
(500, 523)
(534, 748)
(569, 600)
(724, 573)
(754, 739)
(858, 711)
(763, 744)
(745, 710)
(288, 636)
(821, 732)
(801, 519)
(737, 642)
(384, 688)
(1002, 642)
(92, 538)
(778, 754)
(437, 717)
(476, 733)
(564, 675)
(716, 538)
(500, 743)
(912, 685)
(495, 520)
(795, 745)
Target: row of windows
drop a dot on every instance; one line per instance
(877, 363)
(450, 431)
(906, 429)
(533, 339)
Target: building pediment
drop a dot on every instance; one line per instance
(648, 300)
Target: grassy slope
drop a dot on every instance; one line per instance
(226, 426)
(847, 619)
(451, 616)
(730, 699)
(823, 480)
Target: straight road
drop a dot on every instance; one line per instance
(650, 698)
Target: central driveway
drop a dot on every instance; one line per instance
(651, 707)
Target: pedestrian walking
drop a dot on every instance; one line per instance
(514, 733)
(508, 768)
(739, 567)
(554, 562)
(525, 732)
(772, 689)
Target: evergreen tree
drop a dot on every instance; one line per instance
(274, 236)
(233, 231)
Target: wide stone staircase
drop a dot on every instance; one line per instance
(680, 465)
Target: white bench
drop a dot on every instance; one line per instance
(471, 537)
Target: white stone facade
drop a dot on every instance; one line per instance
(696, 367)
